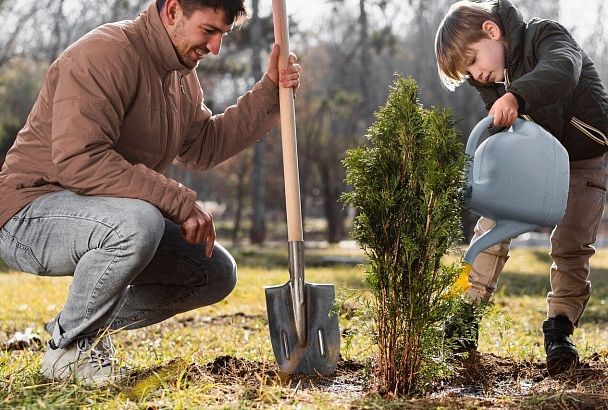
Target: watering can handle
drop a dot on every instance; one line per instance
(478, 131)
(476, 134)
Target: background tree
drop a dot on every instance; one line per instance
(258, 186)
(349, 53)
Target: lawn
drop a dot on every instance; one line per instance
(220, 357)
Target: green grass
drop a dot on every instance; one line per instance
(176, 362)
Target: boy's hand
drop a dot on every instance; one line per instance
(504, 110)
(289, 76)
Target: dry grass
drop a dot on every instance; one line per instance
(220, 357)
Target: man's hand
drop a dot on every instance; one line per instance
(504, 110)
(290, 75)
(198, 228)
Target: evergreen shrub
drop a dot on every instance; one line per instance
(406, 189)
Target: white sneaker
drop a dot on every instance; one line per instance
(88, 360)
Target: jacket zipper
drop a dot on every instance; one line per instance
(165, 86)
(181, 84)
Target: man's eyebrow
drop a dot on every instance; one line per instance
(216, 28)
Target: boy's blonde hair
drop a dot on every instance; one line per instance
(460, 28)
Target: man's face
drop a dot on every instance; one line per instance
(486, 62)
(200, 33)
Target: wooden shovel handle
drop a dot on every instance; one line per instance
(288, 129)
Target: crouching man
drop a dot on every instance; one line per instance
(82, 188)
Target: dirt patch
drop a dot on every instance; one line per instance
(229, 367)
(507, 383)
(350, 376)
(484, 381)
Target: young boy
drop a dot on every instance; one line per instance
(536, 70)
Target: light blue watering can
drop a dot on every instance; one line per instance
(517, 178)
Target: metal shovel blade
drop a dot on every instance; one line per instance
(322, 349)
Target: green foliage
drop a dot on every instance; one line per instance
(19, 85)
(406, 187)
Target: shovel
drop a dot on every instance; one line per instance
(304, 331)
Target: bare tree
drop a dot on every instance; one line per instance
(258, 186)
(19, 14)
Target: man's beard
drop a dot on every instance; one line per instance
(183, 55)
(184, 58)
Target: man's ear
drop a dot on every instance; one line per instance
(170, 11)
(492, 29)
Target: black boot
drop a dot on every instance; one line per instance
(462, 331)
(561, 352)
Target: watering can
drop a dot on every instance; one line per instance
(519, 179)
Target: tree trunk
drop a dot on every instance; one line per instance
(240, 199)
(365, 54)
(56, 46)
(335, 226)
(258, 223)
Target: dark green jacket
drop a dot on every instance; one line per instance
(554, 81)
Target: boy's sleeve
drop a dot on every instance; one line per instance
(557, 71)
(489, 93)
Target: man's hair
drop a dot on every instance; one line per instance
(459, 29)
(235, 10)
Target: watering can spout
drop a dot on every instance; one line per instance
(502, 231)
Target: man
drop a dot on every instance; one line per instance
(82, 188)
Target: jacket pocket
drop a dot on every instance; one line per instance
(18, 256)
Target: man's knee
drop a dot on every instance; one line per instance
(143, 220)
(224, 273)
(142, 225)
(215, 280)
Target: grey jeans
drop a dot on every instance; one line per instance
(131, 267)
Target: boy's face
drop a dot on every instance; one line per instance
(486, 62)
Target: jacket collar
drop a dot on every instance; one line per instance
(514, 29)
(158, 43)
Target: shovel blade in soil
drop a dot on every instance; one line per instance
(322, 350)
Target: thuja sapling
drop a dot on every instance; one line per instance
(406, 188)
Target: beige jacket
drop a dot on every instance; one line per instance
(116, 108)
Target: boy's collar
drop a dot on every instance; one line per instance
(514, 28)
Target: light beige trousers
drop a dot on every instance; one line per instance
(571, 244)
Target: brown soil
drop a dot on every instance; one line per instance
(504, 383)
(484, 381)
(349, 378)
